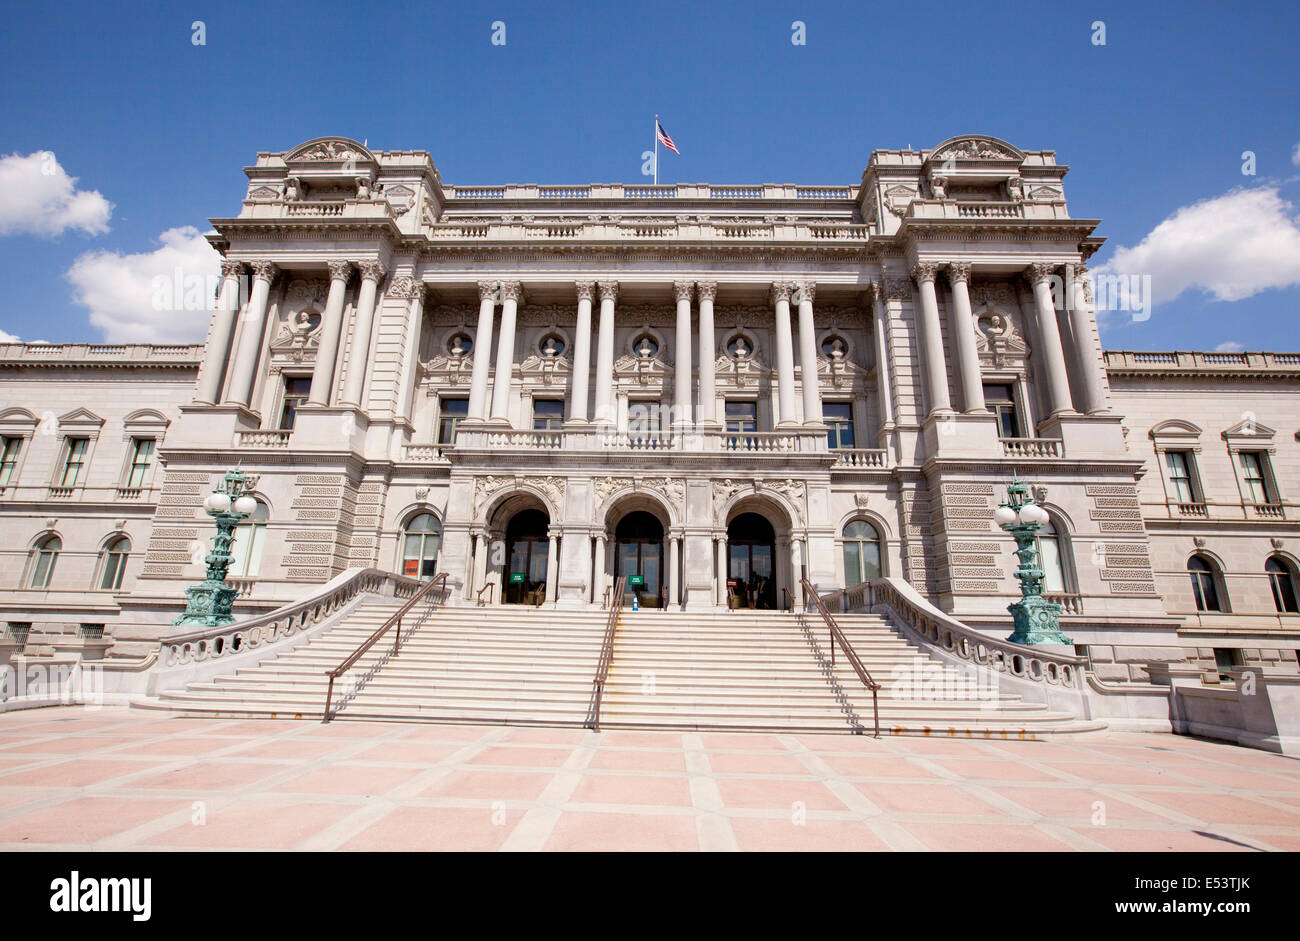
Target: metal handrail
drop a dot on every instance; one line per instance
(790, 595)
(607, 650)
(438, 582)
(837, 637)
(488, 588)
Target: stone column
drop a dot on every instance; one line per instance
(963, 328)
(354, 382)
(784, 354)
(240, 390)
(510, 293)
(1049, 332)
(331, 330)
(478, 377)
(708, 394)
(720, 543)
(1081, 318)
(880, 311)
(936, 366)
(674, 564)
(223, 330)
(480, 566)
(605, 413)
(682, 354)
(812, 392)
(411, 355)
(796, 574)
(581, 353)
(598, 582)
(552, 566)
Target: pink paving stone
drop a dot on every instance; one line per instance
(978, 837)
(180, 745)
(1038, 751)
(851, 744)
(526, 736)
(85, 820)
(68, 745)
(926, 799)
(415, 753)
(995, 770)
(1288, 842)
(630, 759)
(869, 767)
(491, 785)
(916, 745)
(606, 832)
(819, 836)
(446, 733)
(632, 789)
(253, 727)
(1239, 780)
(1123, 840)
(78, 772)
(768, 794)
(286, 748)
(439, 828)
(1223, 808)
(255, 824)
(212, 776)
(741, 741)
(757, 764)
(625, 738)
(164, 726)
(359, 780)
(522, 757)
(12, 796)
(1074, 803)
(1103, 772)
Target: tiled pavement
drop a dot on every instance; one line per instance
(104, 779)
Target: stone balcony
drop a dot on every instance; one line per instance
(340, 209)
(100, 354)
(770, 192)
(967, 210)
(630, 229)
(1194, 362)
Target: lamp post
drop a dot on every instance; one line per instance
(1037, 620)
(208, 603)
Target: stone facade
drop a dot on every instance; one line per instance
(686, 352)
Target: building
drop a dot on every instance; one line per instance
(720, 389)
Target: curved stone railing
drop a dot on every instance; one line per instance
(1048, 673)
(212, 643)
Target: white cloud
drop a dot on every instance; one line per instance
(37, 197)
(1232, 247)
(163, 296)
(1230, 346)
(8, 338)
(1295, 155)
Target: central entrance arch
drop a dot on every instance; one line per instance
(639, 554)
(751, 563)
(527, 546)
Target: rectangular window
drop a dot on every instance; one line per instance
(839, 424)
(74, 461)
(452, 413)
(9, 451)
(548, 414)
(742, 421)
(1253, 479)
(141, 457)
(17, 631)
(1178, 465)
(297, 389)
(1001, 401)
(1225, 658)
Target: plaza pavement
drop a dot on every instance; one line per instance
(116, 779)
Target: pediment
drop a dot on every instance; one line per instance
(146, 418)
(325, 150)
(264, 192)
(1249, 428)
(81, 416)
(1175, 427)
(975, 147)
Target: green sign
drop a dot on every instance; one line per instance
(636, 580)
(516, 578)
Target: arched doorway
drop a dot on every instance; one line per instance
(639, 557)
(751, 563)
(527, 545)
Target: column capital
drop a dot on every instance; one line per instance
(512, 291)
(232, 269)
(371, 270)
(683, 290)
(780, 291)
(924, 271)
(1040, 272)
(608, 290)
(708, 290)
(264, 270)
(339, 270)
(804, 291)
(958, 271)
(586, 290)
(487, 290)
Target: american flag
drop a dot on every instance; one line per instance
(665, 139)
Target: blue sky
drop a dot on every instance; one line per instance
(1153, 122)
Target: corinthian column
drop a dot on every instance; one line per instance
(223, 329)
(478, 377)
(354, 383)
(581, 352)
(605, 413)
(331, 331)
(1049, 333)
(784, 354)
(812, 392)
(708, 387)
(936, 367)
(682, 353)
(240, 390)
(1089, 364)
(880, 315)
(510, 293)
(963, 328)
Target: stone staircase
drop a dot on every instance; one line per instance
(726, 670)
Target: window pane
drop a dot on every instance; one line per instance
(852, 563)
(455, 407)
(1049, 551)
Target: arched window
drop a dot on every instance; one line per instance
(1204, 584)
(114, 563)
(246, 547)
(1282, 579)
(861, 552)
(44, 555)
(1051, 559)
(420, 544)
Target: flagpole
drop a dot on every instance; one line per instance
(656, 150)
